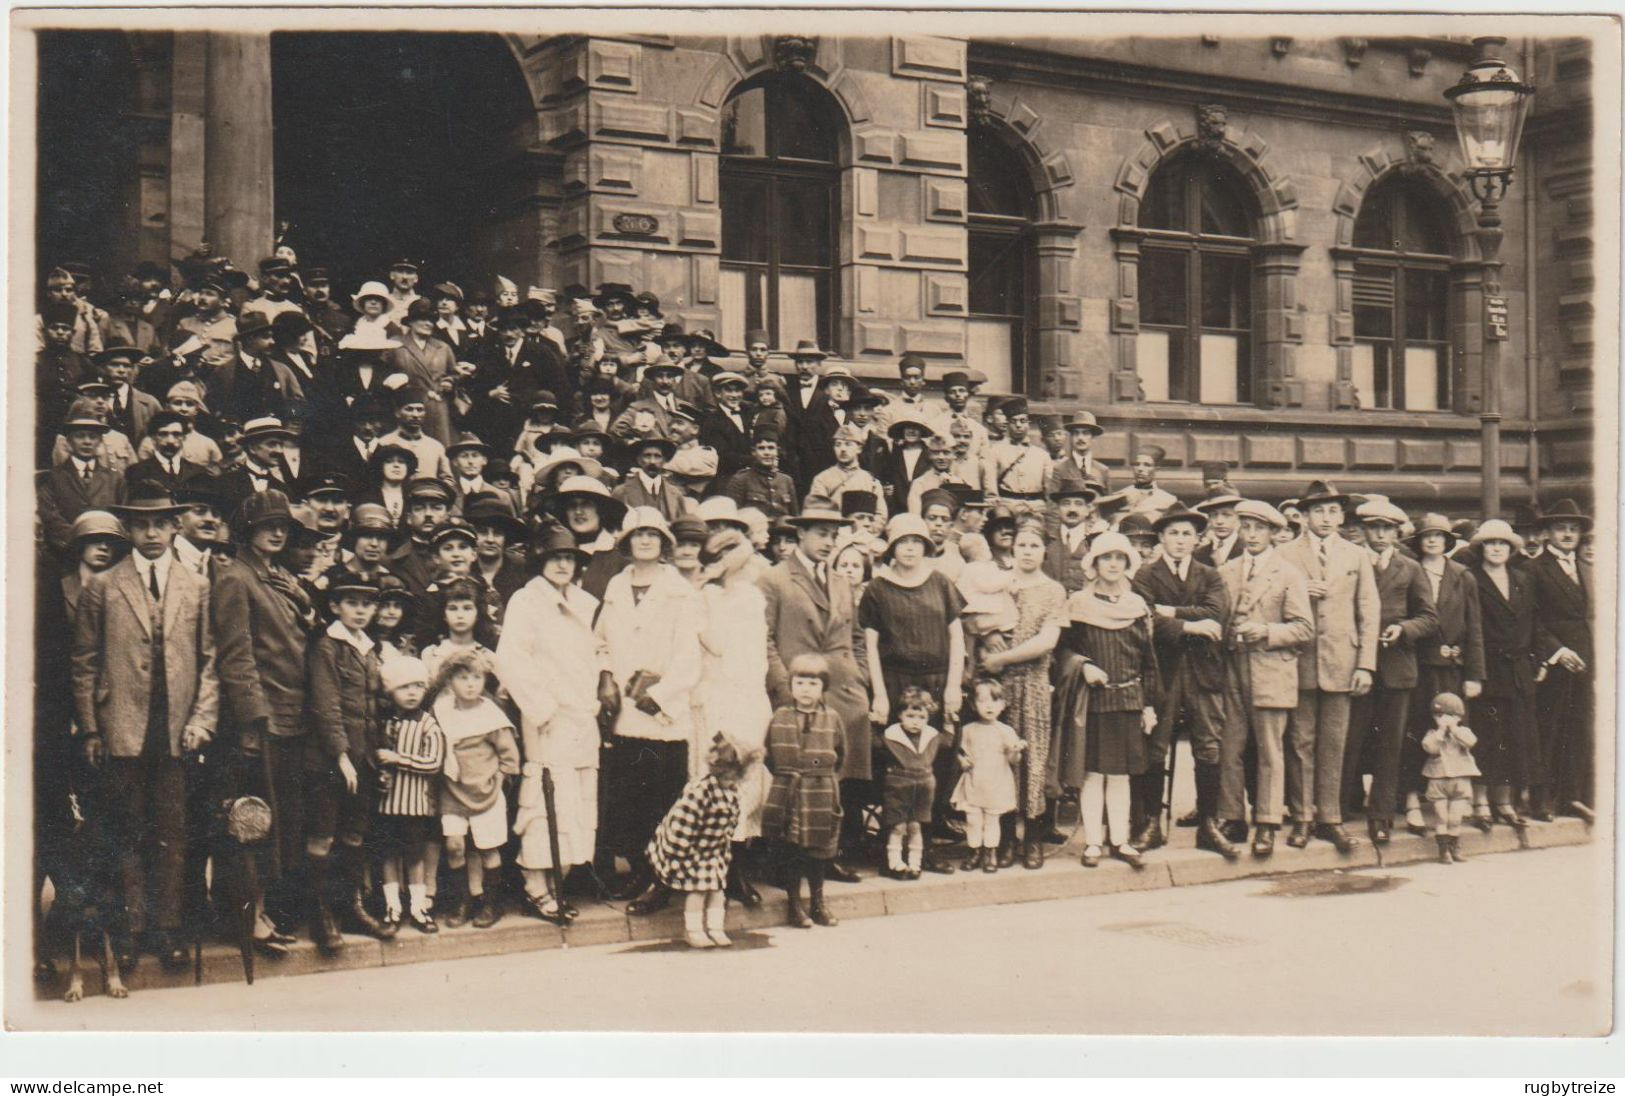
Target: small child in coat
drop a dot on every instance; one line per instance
(1450, 769)
(988, 752)
(693, 844)
(480, 751)
(410, 756)
(805, 741)
(911, 783)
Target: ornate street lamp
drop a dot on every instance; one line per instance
(1490, 103)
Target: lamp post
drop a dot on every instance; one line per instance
(1490, 103)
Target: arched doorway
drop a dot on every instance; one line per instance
(396, 144)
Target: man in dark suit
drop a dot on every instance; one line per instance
(1063, 558)
(253, 383)
(132, 409)
(78, 484)
(1223, 541)
(513, 371)
(145, 693)
(647, 483)
(328, 319)
(166, 466)
(726, 427)
(1565, 701)
(1190, 608)
(1406, 619)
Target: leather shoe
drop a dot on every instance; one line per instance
(1379, 830)
(390, 925)
(742, 892)
(840, 873)
(1032, 854)
(1129, 855)
(1582, 812)
(1235, 832)
(1188, 819)
(542, 906)
(1263, 841)
(1211, 837)
(270, 948)
(1337, 835)
(820, 915)
(1299, 837)
(931, 862)
(1091, 856)
(173, 953)
(654, 898)
(1006, 855)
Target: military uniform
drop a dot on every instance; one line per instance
(773, 493)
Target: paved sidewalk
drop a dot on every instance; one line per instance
(1062, 877)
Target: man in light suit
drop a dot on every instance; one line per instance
(1269, 622)
(810, 611)
(1406, 619)
(1337, 665)
(145, 693)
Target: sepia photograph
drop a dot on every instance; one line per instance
(871, 522)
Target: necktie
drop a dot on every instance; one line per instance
(1320, 552)
(152, 583)
(1567, 563)
(84, 473)
(1247, 572)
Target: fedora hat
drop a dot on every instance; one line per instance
(1497, 529)
(638, 445)
(663, 364)
(113, 353)
(1434, 523)
(1180, 513)
(467, 440)
(491, 508)
(819, 513)
(1218, 502)
(707, 338)
(1084, 420)
(1563, 510)
(1321, 491)
(807, 348)
(1137, 524)
(253, 323)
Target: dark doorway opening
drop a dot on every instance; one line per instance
(391, 145)
(86, 171)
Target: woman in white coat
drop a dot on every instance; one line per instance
(733, 682)
(559, 675)
(650, 625)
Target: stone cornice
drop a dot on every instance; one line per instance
(1019, 64)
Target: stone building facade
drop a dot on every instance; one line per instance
(1042, 210)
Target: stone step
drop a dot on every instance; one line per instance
(1062, 876)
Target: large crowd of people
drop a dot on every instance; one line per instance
(423, 605)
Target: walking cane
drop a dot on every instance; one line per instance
(1168, 787)
(551, 809)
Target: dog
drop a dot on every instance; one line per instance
(89, 906)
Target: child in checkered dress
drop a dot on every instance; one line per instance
(693, 844)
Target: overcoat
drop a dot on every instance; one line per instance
(805, 618)
(804, 802)
(1406, 598)
(261, 650)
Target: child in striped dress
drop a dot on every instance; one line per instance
(410, 757)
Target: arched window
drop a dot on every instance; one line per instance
(1401, 299)
(1196, 283)
(780, 189)
(1003, 262)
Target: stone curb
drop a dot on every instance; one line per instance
(1061, 877)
